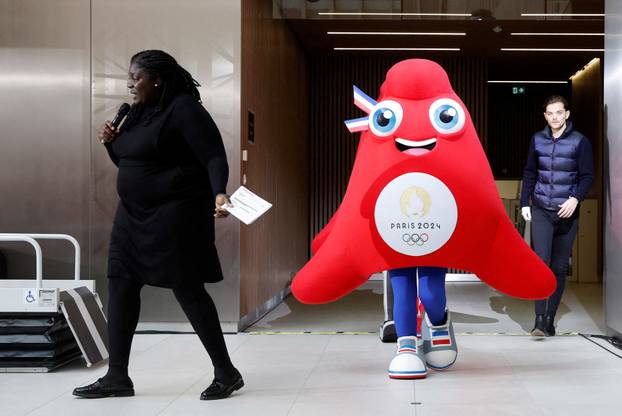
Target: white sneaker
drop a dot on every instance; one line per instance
(408, 362)
(439, 344)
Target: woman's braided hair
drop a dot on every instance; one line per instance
(174, 80)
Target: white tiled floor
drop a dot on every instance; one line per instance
(340, 375)
(311, 374)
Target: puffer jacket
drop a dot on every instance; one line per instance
(557, 169)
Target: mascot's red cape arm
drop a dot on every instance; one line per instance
(421, 193)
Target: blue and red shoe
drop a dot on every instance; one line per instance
(439, 343)
(408, 362)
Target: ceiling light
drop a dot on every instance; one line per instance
(526, 82)
(392, 14)
(592, 62)
(551, 50)
(396, 49)
(400, 33)
(562, 14)
(482, 14)
(555, 34)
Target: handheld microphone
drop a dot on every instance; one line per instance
(123, 110)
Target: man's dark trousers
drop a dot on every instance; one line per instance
(552, 239)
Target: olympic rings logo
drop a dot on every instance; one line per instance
(418, 239)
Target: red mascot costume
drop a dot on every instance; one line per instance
(418, 139)
(421, 196)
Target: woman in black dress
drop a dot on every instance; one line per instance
(172, 167)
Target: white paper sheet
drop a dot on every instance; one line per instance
(247, 206)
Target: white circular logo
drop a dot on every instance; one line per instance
(416, 214)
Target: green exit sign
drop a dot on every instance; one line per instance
(518, 90)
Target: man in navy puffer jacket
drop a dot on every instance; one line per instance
(558, 175)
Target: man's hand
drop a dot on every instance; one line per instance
(526, 213)
(567, 208)
(222, 200)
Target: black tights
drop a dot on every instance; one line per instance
(123, 312)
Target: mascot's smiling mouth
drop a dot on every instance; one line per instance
(415, 148)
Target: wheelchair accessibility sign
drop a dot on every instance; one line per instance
(30, 296)
(40, 297)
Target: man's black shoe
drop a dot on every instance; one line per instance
(549, 326)
(539, 327)
(100, 389)
(220, 390)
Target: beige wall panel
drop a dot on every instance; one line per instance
(44, 145)
(63, 70)
(204, 36)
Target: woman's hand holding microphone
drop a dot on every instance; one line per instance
(107, 132)
(110, 129)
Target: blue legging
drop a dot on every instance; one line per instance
(431, 294)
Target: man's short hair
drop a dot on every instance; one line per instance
(555, 99)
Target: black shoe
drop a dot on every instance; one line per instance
(539, 327)
(220, 389)
(100, 389)
(549, 326)
(387, 332)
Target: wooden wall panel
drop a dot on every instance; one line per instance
(333, 148)
(275, 88)
(586, 110)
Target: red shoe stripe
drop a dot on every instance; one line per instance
(409, 377)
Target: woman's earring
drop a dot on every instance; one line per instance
(155, 85)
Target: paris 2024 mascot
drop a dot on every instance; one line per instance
(421, 195)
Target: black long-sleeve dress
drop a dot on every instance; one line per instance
(169, 173)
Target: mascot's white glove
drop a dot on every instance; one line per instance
(526, 212)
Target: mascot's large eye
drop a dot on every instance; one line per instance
(447, 116)
(385, 118)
